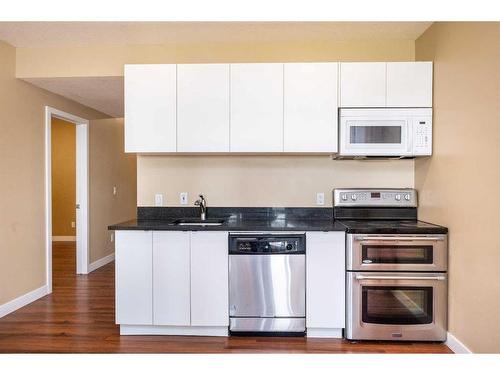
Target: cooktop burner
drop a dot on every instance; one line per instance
(380, 211)
(392, 227)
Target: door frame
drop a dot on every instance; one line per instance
(82, 191)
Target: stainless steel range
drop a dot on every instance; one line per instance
(396, 267)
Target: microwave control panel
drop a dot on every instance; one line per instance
(422, 136)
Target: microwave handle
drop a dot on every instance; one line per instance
(396, 238)
(439, 278)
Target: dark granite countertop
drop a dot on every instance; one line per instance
(235, 219)
(235, 225)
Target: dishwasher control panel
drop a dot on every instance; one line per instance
(267, 243)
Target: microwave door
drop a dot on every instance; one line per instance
(380, 137)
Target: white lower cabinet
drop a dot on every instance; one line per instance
(209, 279)
(172, 282)
(325, 284)
(171, 278)
(133, 277)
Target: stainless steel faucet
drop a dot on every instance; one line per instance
(203, 206)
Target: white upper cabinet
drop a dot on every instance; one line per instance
(310, 107)
(171, 278)
(203, 108)
(409, 84)
(363, 84)
(209, 279)
(256, 108)
(150, 108)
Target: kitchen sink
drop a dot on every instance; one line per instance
(207, 222)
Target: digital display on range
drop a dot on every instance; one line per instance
(375, 195)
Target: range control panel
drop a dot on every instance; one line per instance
(375, 198)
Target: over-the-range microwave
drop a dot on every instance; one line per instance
(385, 132)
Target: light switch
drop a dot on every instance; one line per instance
(114, 190)
(320, 199)
(158, 199)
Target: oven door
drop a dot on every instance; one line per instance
(396, 306)
(380, 136)
(373, 252)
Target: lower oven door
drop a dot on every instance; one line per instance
(396, 306)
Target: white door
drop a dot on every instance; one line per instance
(171, 278)
(409, 84)
(150, 108)
(256, 108)
(310, 109)
(325, 280)
(203, 108)
(209, 279)
(133, 277)
(362, 84)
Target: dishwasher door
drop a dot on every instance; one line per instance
(267, 286)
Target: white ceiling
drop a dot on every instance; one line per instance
(105, 94)
(51, 34)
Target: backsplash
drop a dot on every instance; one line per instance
(261, 181)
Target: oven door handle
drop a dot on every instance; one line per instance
(396, 238)
(439, 278)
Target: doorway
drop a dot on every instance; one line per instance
(80, 213)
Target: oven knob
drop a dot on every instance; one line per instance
(398, 197)
(289, 246)
(407, 197)
(353, 197)
(344, 197)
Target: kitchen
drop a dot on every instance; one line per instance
(383, 110)
(289, 199)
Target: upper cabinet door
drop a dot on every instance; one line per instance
(310, 109)
(409, 84)
(363, 84)
(209, 279)
(203, 108)
(256, 107)
(150, 108)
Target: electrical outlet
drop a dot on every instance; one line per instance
(112, 237)
(183, 198)
(158, 200)
(73, 224)
(114, 190)
(320, 199)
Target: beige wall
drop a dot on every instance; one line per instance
(22, 196)
(95, 61)
(459, 184)
(109, 166)
(261, 180)
(63, 148)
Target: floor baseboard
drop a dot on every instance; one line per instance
(63, 238)
(101, 262)
(456, 345)
(22, 301)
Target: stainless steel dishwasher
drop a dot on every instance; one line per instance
(267, 277)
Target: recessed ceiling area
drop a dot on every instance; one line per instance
(104, 94)
(56, 34)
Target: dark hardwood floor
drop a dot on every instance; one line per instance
(78, 317)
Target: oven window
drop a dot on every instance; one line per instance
(411, 254)
(375, 134)
(397, 305)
